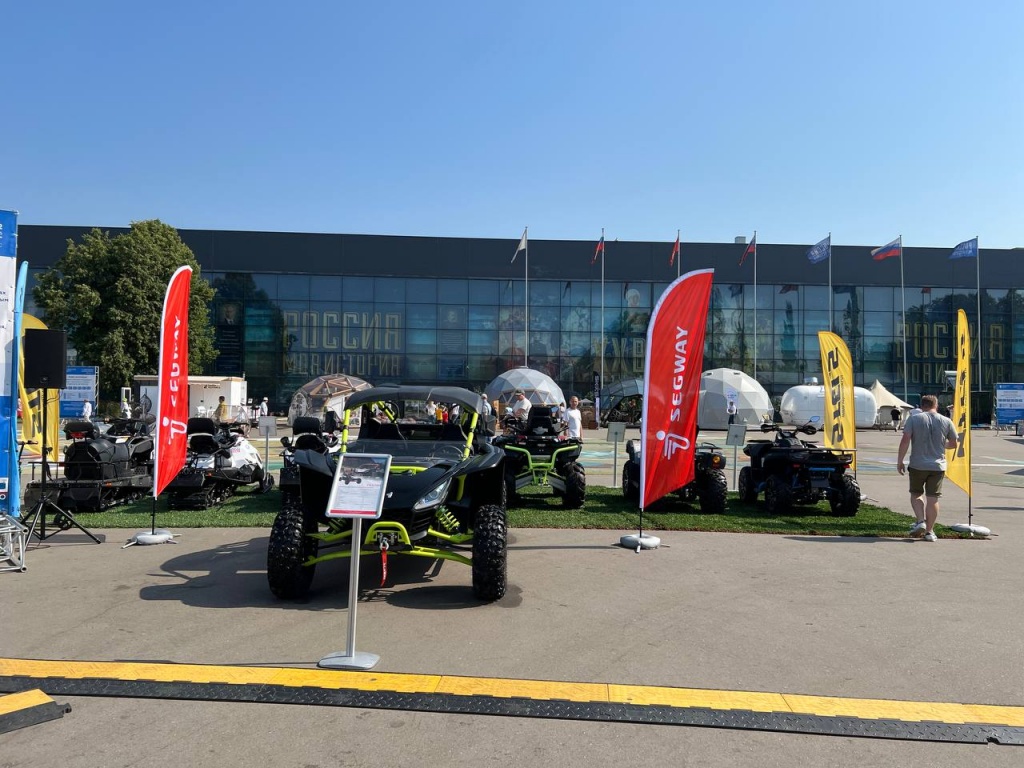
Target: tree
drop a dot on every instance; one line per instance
(108, 292)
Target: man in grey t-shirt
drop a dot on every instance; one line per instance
(928, 435)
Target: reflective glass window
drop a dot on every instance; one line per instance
(325, 287)
(389, 289)
(421, 290)
(452, 291)
(357, 289)
(293, 287)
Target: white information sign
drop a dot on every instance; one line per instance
(360, 481)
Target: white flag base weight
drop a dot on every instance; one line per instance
(342, 660)
(971, 528)
(638, 541)
(159, 536)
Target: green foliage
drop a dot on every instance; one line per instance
(108, 293)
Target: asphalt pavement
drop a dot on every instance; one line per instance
(845, 617)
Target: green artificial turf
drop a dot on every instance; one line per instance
(539, 508)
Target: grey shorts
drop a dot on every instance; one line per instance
(925, 481)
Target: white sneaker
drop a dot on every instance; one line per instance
(930, 537)
(917, 530)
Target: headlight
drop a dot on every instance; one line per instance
(435, 497)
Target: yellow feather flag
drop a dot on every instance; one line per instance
(837, 373)
(958, 460)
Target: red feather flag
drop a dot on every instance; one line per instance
(172, 415)
(675, 357)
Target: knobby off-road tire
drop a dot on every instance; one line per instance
(289, 548)
(490, 553)
(845, 499)
(575, 486)
(511, 497)
(629, 491)
(712, 493)
(745, 486)
(778, 496)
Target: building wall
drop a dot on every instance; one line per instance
(290, 307)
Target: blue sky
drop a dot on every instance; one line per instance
(866, 120)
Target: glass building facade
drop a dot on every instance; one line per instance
(460, 312)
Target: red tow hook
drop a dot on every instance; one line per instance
(383, 561)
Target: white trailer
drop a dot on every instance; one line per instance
(204, 393)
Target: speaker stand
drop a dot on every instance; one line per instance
(63, 520)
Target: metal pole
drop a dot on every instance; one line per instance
(602, 317)
(978, 267)
(903, 299)
(526, 299)
(755, 305)
(353, 586)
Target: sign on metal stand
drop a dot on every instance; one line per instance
(268, 428)
(360, 482)
(616, 432)
(737, 437)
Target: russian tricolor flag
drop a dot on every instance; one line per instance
(887, 251)
(598, 251)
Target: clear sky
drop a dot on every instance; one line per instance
(866, 120)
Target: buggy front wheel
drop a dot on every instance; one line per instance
(490, 553)
(289, 548)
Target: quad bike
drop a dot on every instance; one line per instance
(709, 486)
(307, 435)
(792, 471)
(537, 452)
(444, 495)
(101, 471)
(218, 461)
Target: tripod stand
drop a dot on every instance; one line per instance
(62, 519)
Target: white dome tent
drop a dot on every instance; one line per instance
(538, 387)
(802, 403)
(720, 385)
(885, 401)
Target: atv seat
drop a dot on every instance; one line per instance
(83, 430)
(452, 432)
(380, 430)
(540, 425)
(306, 425)
(200, 425)
(789, 442)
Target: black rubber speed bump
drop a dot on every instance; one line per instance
(31, 707)
(751, 710)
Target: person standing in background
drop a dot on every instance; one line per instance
(574, 419)
(928, 435)
(87, 411)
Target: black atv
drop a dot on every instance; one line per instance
(102, 470)
(709, 487)
(537, 452)
(308, 434)
(792, 471)
(444, 496)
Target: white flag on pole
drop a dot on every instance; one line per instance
(522, 246)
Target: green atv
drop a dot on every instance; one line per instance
(537, 452)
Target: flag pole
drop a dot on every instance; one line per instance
(903, 299)
(679, 255)
(602, 320)
(755, 305)
(526, 297)
(831, 310)
(978, 268)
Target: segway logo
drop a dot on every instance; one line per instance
(673, 443)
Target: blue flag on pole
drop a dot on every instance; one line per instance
(968, 249)
(8, 233)
(820, 251)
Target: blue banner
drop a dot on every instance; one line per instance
(1009, 403)
(8, 233)
(14, 484)
(820, 251)
(968, 249)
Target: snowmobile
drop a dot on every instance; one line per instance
(218, 461)
(102, 470)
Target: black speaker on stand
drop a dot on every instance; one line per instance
(46, 355)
